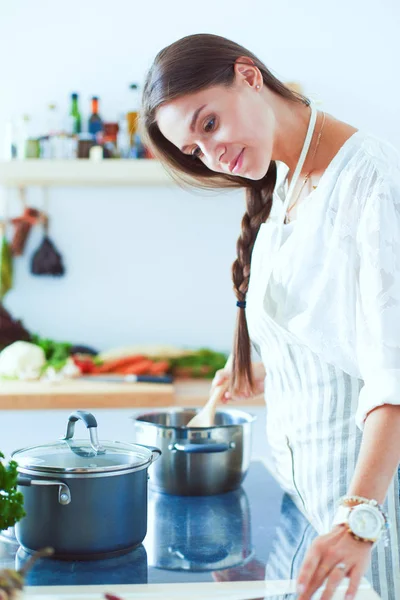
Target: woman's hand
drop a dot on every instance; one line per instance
(224, 374)
(333, 557)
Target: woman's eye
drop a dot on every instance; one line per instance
(196, 152)
(209, 125)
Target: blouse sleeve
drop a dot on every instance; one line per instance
(378, 298)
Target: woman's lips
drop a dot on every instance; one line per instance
(236, 164)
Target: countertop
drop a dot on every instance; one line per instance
(37, 395)
(244, 544)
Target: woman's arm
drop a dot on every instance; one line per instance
(377, 463)
(379, 454)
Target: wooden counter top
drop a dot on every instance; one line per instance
(32, 395)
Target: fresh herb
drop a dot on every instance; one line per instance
(11, 501)
(201, 363)
(56, 353)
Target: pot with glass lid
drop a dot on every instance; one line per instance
(85, 498)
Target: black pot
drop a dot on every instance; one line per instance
(85, 499)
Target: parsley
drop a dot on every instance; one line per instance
(11, 501)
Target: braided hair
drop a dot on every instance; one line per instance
(194, 63)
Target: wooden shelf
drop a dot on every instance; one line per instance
(34, 395)
(83, 172)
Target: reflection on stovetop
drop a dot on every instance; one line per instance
(253, 533)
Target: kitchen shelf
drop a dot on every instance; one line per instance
(83, 172)
(38, 395)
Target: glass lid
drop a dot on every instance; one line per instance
(76, 455)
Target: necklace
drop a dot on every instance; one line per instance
(307, 176)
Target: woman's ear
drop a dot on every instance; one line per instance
(246, 72)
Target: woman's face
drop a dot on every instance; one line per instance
(231, 130)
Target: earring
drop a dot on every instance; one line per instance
(257, 87)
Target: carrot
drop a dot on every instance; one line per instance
(109, 366)
(159, 367)
(139, 368)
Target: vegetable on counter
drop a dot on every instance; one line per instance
(6, 263)
(45, 358)
(178, 362)
(202, 363)
(22, 360)
(132, 365)
(11, 501)
(56, 353)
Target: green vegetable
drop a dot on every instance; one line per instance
(6, 266)
(56, 353)
(11, 501)
(202, 363)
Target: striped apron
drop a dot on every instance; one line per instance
(311, 428)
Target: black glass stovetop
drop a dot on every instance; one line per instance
(253, 533)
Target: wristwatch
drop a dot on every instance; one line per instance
(364, 521)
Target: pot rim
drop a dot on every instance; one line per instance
(77, 474)
(249, 419)
(82, 471)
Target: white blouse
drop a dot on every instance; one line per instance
(335, 283)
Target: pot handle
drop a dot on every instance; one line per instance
(201, 448)
(91, 424)
(64, 493)
(156, 452)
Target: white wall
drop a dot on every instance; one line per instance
(153, 264)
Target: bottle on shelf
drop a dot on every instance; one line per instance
(123, 137)
(109, 140)
(133, 115)
(49, 141)
(75, 119)
(28, 146)
(95, 121)
(9, 143)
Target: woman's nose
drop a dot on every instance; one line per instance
(213, 154)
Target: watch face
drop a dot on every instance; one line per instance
(365, 521)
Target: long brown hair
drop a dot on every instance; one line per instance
(191, 64)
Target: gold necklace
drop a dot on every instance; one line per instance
(306, 178)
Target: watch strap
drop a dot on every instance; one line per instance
(341, 515)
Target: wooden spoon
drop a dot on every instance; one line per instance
(206, 416)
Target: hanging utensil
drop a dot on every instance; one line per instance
(23, 225)
(47, 260)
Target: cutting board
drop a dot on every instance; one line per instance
(15, 395)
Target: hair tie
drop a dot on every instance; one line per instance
(241, 303)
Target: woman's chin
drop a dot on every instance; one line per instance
(256, 173)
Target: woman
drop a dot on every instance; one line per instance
(317, 282)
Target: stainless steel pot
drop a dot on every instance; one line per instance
(86, 499)
(199, 533)
(196, 461)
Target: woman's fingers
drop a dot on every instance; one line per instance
(219, 377)
(307, 572)
(223, 375)
(318, 564)
(355, 579)
(337, 574)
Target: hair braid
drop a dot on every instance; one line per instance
(259, 204)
